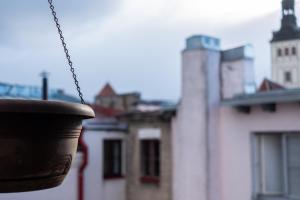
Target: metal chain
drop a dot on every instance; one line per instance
(66, 51)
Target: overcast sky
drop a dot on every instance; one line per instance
(133, 44)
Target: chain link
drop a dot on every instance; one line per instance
(72, 69)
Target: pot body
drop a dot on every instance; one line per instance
(36, 150)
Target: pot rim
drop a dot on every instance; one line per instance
(25, 106)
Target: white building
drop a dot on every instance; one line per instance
(104, 176)
(285, 48)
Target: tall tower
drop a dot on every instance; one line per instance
(197, 121)
(285, 48)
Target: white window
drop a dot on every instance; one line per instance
(277, 165)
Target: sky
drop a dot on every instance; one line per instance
(133, 44)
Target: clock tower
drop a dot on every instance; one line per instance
(285, 48)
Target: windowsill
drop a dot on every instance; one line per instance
(150, 180)
(113, 177)
(272, 197)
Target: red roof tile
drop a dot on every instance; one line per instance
(268, 85)
(107, 91)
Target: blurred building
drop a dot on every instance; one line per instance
(108, 98)
(105, 139)
(227, 139)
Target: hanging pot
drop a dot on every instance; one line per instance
(38, 142)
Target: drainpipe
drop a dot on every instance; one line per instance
(84, 163)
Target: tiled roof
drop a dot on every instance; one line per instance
(268, 85)
(107, 91)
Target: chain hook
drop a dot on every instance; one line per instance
(72, 69)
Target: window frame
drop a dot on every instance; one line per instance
(111, 174)
(260, 193)
(294, 51)
(154, 161)
(279, 52)
(286, 51)
(288, 77)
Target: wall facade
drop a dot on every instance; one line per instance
(236, 130)
(136, 189)
(96, 187)
(286, 63)
(237, 77)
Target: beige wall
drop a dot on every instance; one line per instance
(141, 191)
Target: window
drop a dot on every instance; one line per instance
(277, 165)
(150, 160)
(287, 51)
(287, 77)
(112, 158)
(294, 51)
(279, 52)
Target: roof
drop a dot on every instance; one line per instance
(154, 105)
(105, 124)
(289, 29)
(238, 53)
(161, 115)
(261, 98)
(33, 92)
(196, 42)
(268, 85)
(101, 111)
(105, 120)
(107, 91)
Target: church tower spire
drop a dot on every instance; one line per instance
(288, 7)
(285, 48)
(289, 28)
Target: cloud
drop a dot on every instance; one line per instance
(24, 18)
(134, 44)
